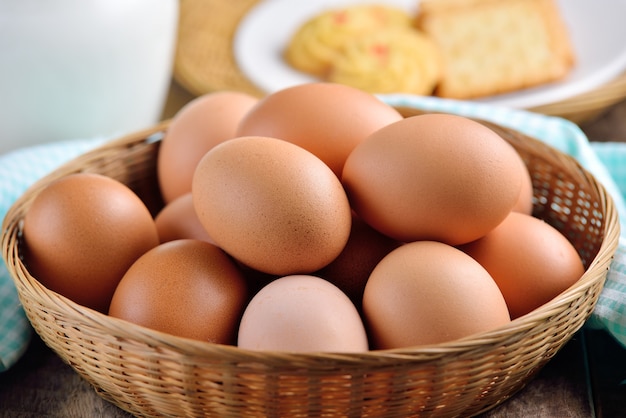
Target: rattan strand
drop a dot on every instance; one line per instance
(153, 374)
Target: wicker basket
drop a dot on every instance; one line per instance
(154, 374)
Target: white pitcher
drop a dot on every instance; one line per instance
(83, 68)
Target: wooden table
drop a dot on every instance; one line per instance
(587, 378)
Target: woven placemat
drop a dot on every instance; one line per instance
(205, 61)
(204, 57)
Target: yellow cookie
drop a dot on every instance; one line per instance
(390, 61)
(314, 45)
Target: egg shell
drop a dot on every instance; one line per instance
(530, 260)
(197, 127)
(433, 177)
(272, 205)
(188, 288)
(178, 220)
(363, 251)
(428, 292)
(326, 119)
(302, 313)
(525, 201)
(82, 233)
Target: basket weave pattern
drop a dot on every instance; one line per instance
(149, 373)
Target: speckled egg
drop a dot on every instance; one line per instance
(433, 177)
(272, 205)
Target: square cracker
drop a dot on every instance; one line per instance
(496, 46)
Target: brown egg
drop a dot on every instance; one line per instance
(302, 314)
(178, 220)
(255, 279)
(427, 292)
(530, 260)
(524, 203)
(272, 205)
(351, 269)
(433, 177)
(82, 233)
(196, 128)
(188, 288)
(326, 119)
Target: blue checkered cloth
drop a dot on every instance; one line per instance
(606, 161)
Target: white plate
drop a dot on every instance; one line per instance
(597, 29)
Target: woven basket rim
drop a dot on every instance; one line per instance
(205, 62)
(123, 329)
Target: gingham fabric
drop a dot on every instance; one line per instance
(607, 161)
(610, 313)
